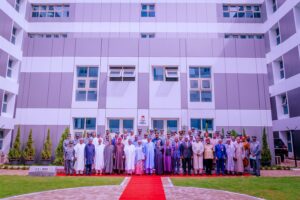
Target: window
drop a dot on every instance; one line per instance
(1, 138)
(207, 124)
(172, 125)
(201, 124)
(274, 5)
(147, 10)
(196, 124)
(84, 124)
(242, 11)
(284, 104)
(48, 35)
(14, 35)
(117, 125)
(87, 83)
(161, 73)
(17, 6)
(242, 36)
(165, 124)
(9, 68)
(281, 69)
(122, 73)
(50, 11)
(4, 103)
(158, 124)
(277, 35)
(147, 35)
(200, 84)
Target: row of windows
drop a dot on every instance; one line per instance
(243, 36)
(117, 125)
(50, 11)
(47, 35)
(147, 10)
(200, 80)
(242, 11)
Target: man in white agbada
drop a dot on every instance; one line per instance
(230, 150)
(95, 139)
(129, 157)
(99, 156)
(79, 156)
(198, 149)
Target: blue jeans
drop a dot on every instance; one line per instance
(220, 165)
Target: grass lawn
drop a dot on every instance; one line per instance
(16, 185)
(287, 188)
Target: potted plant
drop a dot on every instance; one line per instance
(265, 151)
(46, 152)
(14, 154)
(59, 152)
(29, 151)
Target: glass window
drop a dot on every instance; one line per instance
(93, 83)
(194, 84)
(90, 123)
(92, 96)
(147, 10)
(172, 125)
(194, 96)
(114, 125)
(194, 72)
(158, 73)
(4, 103)
(207, 123)
(205, 72)
(206, 84)
(196, 123)
(82, 71)
(158, 124)
(206, 96)
(128, 124)
(284, 102)
(93, 71)
(81, 84)
(80, 95)
(79, 123)
(281, 70)
(1, 139)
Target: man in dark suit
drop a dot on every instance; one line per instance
(186, 153)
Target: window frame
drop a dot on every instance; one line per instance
(148, 11)
(284, 104)
(84, 129)
(165, 70)
(87, 89)
(5, 102)
(241, 11)
(50, 10)
(121, 124)
(1, 139)
(122, 69)
(195, 93)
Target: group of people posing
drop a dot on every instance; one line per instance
(155, 152)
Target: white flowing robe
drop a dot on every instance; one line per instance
(198, 148)
(239, 155)
(99, 157)
(230, 151)
(129, 157)
(95, 141)
(79, 155)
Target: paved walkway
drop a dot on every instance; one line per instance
(95, 192)
(191, 193)
(13, 172)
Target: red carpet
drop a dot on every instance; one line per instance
(144, 187)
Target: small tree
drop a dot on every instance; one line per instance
(29, 151)
(46, 153)
(59, 152)
(265, 152)
(15, 152)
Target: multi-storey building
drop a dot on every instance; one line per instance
(94, 65)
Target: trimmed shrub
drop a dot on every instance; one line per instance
(46, 153)
(59, 152)
(29, 151)
(265, 152)
(15, 152)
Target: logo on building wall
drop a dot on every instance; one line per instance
(142, 120)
